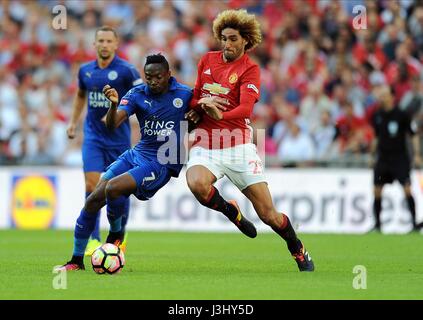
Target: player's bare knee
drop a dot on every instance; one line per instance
(199, 187)
(270, 217)
(93, 203)
(90, 186)
(112, 190)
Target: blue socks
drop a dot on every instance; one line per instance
(116, 210)
(96, 231)
(85, 225)
(125, 215)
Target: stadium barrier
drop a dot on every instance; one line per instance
(316, 200)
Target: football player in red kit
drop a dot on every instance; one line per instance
(226, 89)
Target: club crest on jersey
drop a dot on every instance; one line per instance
(233, 78)
(177, 102)
(112, 75)
(215, 88)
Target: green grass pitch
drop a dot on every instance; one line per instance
(216, 266)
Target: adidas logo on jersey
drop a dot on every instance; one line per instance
(207, 71)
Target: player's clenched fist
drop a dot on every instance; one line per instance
(111, 94)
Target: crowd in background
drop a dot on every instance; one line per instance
(319, 75)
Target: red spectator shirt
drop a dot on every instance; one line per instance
(238, 82)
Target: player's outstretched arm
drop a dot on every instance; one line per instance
(114, 117)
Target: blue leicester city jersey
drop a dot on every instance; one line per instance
(122, 76)
(162, 123)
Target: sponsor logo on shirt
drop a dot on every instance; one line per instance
(215, 88)
(124, 102)
(158, 128)
(98, 100)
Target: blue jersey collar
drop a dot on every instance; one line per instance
(113, 62)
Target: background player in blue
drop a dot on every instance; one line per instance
(160, 107)
(101, 146)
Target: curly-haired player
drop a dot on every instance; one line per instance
(226, 90)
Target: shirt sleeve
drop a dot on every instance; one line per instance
(127, 103)
(197, 87)
(81, 84)
(373, 123)
(250, 83)
(243, 111)
(411, 124)
(249, 95)
(189, 99)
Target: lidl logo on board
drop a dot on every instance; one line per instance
(33, 201)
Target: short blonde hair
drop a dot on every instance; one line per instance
(246, 24)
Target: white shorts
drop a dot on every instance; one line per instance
(241, 164)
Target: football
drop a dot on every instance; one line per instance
(108, 259)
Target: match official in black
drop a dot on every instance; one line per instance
(391, 156)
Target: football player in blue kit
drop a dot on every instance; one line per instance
(160, 106)
(101, 147)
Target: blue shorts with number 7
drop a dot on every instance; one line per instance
(149, 174)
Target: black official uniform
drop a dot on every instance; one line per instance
(392, 156)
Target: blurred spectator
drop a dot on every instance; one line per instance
(353, 133)
(72, 156)
(297, 147)
(323, 138)
(313, 104)
(368, 50)
(401, 70)
(412, 100)
(10, 119)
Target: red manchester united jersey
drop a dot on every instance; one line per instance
(234, 81)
